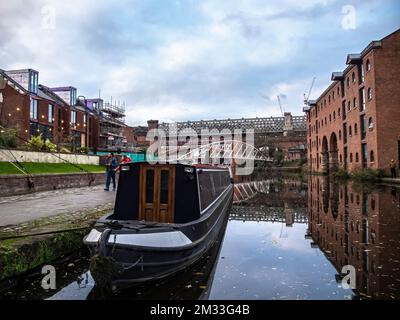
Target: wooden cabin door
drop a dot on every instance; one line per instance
(157, 193)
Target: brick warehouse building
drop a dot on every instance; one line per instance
(355, 123)
(55, 113)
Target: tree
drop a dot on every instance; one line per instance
(278, 156)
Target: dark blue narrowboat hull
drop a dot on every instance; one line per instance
(141, 252)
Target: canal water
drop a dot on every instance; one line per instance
(286, 238)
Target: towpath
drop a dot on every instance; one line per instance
(16, 210)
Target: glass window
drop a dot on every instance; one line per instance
(149, 186)
(353, 77)
(349, 106)
(368, 65)
(164, 186)
(363, 127)
(372, 156)
(356, 156)
(73, 118)
(33, 109)
(364, 152)
(355, 129)
(370, 124)
(361, 72)
(355, 103)
(369, 94)
(50, 114)
(362, 99)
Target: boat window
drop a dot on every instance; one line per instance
(164, 186)
(149, 186)
(212, 184)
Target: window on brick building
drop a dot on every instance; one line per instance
(338, 92)
(363, 127)
(340, 134)
(362, 99)
(50, 114)
(73, 118)
(355, 103)
(351, 157)
(355, 129)
(33, 109)
(348, 82)
(340, 157)
(349, 106)
(350, 132)
(368, 64)
(338, 112)
(371, 156)
(353, 77)
(361, 73)
(369, 93)
(334, 115)
(356, 156)
(370, 123)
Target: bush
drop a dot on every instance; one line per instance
(50, 146)
(341, 173)
(84, 150)
(367, 174)
(35, 143)
(8, 138)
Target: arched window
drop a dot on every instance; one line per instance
(334, 115)
(368, 64)
(329, 99)
(350, 132)
(355, 103)
(369, 94)
(356, 156)
(349, 105)
(330, 118)
(370, 123)
(372, 156)
(348, 82)
(340, 134)
(338, 91)
(353, 77)
(351, 157)
(355, 129)
(338, 112)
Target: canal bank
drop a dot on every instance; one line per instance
(39, 228)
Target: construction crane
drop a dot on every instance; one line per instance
(309, 92)
(280, 104)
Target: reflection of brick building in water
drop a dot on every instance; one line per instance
(358, 229)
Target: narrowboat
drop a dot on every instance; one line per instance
(166, 217)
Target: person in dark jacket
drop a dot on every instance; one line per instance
(111, 166)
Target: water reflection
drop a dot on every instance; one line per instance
(358, 226)
(286, 238)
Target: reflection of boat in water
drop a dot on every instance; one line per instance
(166, 218)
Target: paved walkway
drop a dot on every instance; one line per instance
(19, 209)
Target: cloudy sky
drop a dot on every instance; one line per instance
(191, 59)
